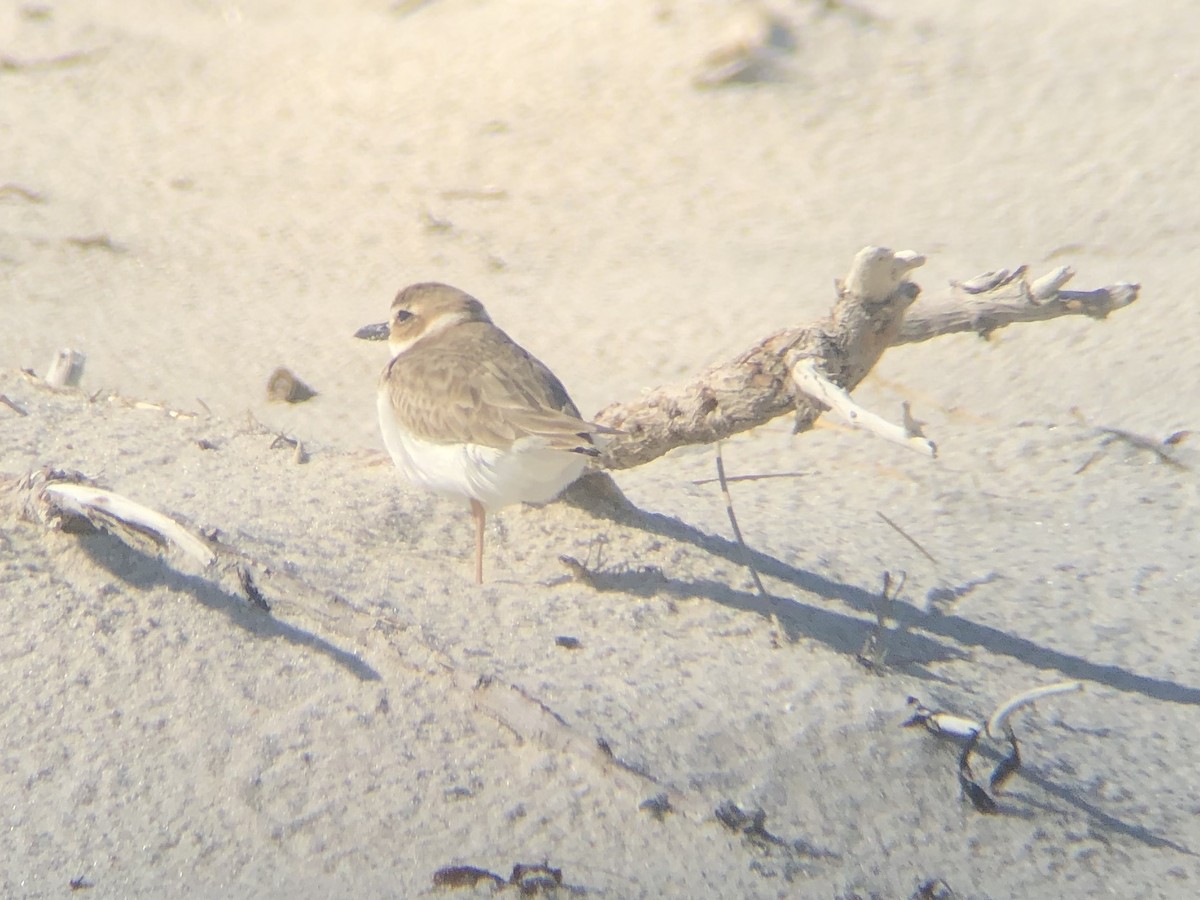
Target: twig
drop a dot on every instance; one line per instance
(1139, 442)
(737, 532)
(904, 534)
(122, 516)
(76, 57)
(12, 189)
(1008, 766)
(1008, 300)
(940, 722)
(13, 405)
(530, 719)
(974, 791)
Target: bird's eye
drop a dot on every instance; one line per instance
(403, 315)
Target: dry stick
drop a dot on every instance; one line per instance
(129, 520)
(1141, 442)
(874, 650)
(531, 720)
(13, 64)
(904, 534)
(737, 532)
(13, 405)
(871, 313)
(1009, 302)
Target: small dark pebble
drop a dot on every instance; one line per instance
(933, 889)
(464, 876)
(530, 879)
(731, 816)
(658, 806)
(284, 386)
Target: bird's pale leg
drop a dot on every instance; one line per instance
(479, 514)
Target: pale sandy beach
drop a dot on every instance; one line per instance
(195, 193)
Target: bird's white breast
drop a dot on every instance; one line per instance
(527, 472)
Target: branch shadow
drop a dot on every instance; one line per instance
(840, 632)
(147, 571)
(916, 637)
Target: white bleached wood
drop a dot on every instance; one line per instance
(810, 380)
(998, 719)
(66, 369)
(92, 502)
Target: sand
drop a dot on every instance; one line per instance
(210, 190)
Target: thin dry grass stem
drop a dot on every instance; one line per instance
(60, 61)
(1144, 442)
(904, 534)
(13, 405)
(737, 531)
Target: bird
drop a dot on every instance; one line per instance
(466, 412)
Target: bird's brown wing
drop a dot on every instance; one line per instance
(472, 384)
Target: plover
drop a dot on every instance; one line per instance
(466, 412)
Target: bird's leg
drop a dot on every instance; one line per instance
(479, 514)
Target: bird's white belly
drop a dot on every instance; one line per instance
(528, 472)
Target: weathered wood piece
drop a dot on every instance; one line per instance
(831, 357)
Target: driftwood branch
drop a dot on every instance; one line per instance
(69, 501)
(831, 357)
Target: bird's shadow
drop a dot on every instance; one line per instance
(147, 571)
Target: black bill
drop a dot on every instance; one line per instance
(375, 332)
